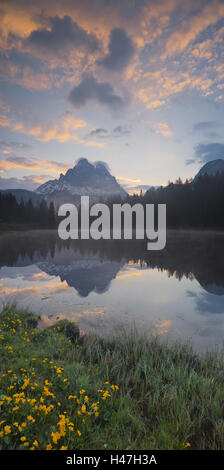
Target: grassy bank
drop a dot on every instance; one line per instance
(59, 391)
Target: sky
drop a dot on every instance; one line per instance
(138, 84)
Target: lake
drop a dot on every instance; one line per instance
(111, 285)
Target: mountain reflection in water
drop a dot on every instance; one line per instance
(110, 284)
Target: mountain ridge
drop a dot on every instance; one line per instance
(84, 178)
(93, 180)
(211, 168)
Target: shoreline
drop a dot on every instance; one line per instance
(10, 229)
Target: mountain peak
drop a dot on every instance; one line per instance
(211, 168)
(85, 178)
(82, 162)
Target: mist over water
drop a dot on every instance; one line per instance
(177, 293)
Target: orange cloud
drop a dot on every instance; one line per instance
(163, 129)
(34, 164)
(91, 143)
(155, 104)
(151, 24)
(128, 180)
(192, 27)
(64, 131)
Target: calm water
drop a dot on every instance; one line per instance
(177, 293)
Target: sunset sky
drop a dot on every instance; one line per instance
(138, 84)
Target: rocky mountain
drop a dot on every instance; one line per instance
(211, 168)
(84, 179)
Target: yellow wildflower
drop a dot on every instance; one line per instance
(187, 444)
(55, 437)
(30, 418)
(7, 430)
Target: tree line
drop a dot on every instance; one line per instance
(197, 204)
(194, 204)
(41, 215)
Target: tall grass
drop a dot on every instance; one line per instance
(169, 397)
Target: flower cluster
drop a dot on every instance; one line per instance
(38, 406)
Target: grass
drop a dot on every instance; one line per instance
(63, 391)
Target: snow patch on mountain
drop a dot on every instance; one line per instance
(85, 179)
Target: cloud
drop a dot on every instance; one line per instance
(155, 104)
(90, 89)
(119, 131)
(204, 126)
(61, 34)
(170, 81)
(128, 180)
(32, 79)
(31, 73)
(4, 121)
(29, 163)
(193, 26)
(11, 147)
(204, 153)
(4, 106)
(163, 129)
(99, 132)
(207, 152)
(207, 128)
(132, 185)
(100, 164)
(62, 132)
(102, 133)
(120, 51)
(132, 189)
(17, 183)
(68, 38)
(190, 161)
(92, 143)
